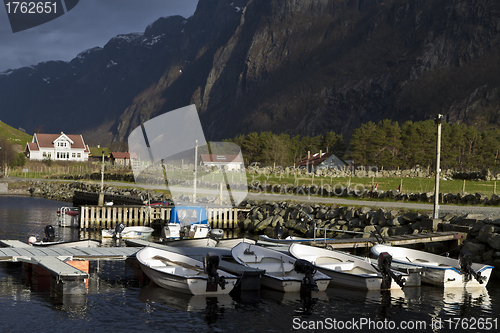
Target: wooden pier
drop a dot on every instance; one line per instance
(353, 243)
(69, 277)
(65, 265)
(107, 217)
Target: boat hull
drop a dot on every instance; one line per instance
(191, 280)
(436, 270)
(128, 233)
(344, 269)
(280, 273)
(80, 243)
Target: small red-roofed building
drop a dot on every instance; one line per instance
(57, 147)
(119, 158)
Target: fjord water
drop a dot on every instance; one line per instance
(119, 299)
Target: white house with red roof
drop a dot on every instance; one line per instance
(57, 147)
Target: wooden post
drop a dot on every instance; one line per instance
(114, 213)
(92, 216)
(495, 187)
(231, 223)
(108, 217)
(463, 187)
(136, 216)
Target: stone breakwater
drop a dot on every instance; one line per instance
(64, 191)
(483, 234)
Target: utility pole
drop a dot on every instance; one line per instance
(102, 173)
(439, 120)
(195, 165)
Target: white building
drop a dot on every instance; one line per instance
(230, 162)
(57, 147)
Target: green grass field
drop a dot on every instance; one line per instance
(409, 185)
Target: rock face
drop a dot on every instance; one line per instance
(304, 67)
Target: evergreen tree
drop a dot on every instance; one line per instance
(362, 144)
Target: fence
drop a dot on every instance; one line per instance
(107, 217)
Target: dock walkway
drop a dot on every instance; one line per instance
(351, 243)
(63, 264)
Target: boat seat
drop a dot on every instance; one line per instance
(327, 260)
(272, 267)
(341, 266)
(421, 260)
(427, 262)
(155, 263)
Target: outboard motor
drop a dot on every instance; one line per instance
(184, 232)
(165, 233)
(384, 266)
(119, 228)
(465, 262)
(49, 234)
(216, 233)
(303, 266)
(211, 266)
(278, 231)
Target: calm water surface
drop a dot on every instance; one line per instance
(120, 300)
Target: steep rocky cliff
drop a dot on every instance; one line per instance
(296, 66)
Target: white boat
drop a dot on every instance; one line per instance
(78, 243)
(439, 270)
(50, 240)
(344, 269)
(292, 239)
(232, 242)
(127, 232)
(283, 272)
(192, 242)
(178, 272)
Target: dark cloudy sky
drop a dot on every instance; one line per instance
(91, 23)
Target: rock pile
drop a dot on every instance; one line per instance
(483, 235)
(64, 191)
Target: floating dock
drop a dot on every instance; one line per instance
(68, 267)
(67, 277)
(353, 243)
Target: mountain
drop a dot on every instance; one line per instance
(298, 66)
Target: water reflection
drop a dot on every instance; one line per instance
(460, 301)
(212, 306)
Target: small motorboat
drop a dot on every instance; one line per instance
(77, 243)
(348, 270)
(127, 232)
(72, 211)
(191, 242)
(283, 272)
(50, 240)
(292, 239)
(188, 222)
(178, 272)
(439, 270)
(232, 242)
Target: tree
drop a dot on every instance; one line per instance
(277, 150)
(490, 148)
(418, 143)
(333, 142)
(362, 144)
